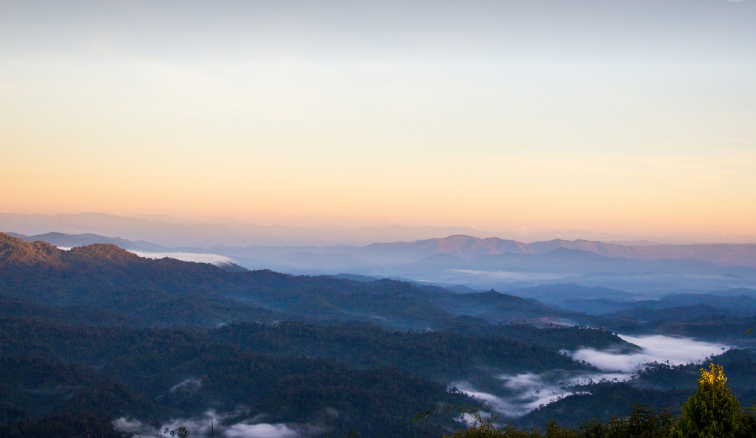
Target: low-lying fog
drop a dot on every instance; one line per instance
(214, 259)
(523, 393)
(518, 394)
(219, 425)
(656, 348)
(514, 275)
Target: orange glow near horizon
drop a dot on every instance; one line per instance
(487, 194)
(304, 116)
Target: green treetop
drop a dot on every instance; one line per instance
(712, 412)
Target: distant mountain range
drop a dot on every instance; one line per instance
(104, 284)
(462, 246)
(106, 278)
(469, 247)
(172, 232)
(100, 330)
(153, 339)
(176, 233)
(480, 263)
(63, 240)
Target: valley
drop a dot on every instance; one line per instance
(165, 341)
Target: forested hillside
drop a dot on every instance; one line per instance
(171, 292)
(97, 334)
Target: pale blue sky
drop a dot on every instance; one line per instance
(605, 115)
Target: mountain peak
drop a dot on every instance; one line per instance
(14, 251)
(469, 246)
(103, 251)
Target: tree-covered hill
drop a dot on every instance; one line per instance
(159, 339)
(157, 374)
(290, 371)
(602, 403)
(438, 356)
(132, 352)
(172, 292)
(661, 386)
(33, 387)
(551, 336)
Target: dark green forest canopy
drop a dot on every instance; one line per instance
(158, 339)
(147, 368)
(34, 387)
(172, 292)
(555, 337)
(441, 356)
(237, 362)
(661, 386)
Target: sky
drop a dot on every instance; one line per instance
(634, 117)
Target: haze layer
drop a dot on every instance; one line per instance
(621, 116)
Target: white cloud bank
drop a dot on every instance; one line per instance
(213, 259)
(657, 348)
(524, 393)
(212, 423)
(264, 430)
(527, 391)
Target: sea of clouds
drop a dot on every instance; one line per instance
(214, 259)
(523, 393)
(656, 348)
(519, 394)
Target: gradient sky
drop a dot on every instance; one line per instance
(614, 116)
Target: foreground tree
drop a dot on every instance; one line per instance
(712, 411)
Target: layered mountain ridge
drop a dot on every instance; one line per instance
(113, 279)
(462, 246)
(469, 246)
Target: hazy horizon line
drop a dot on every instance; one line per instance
(522, 234)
